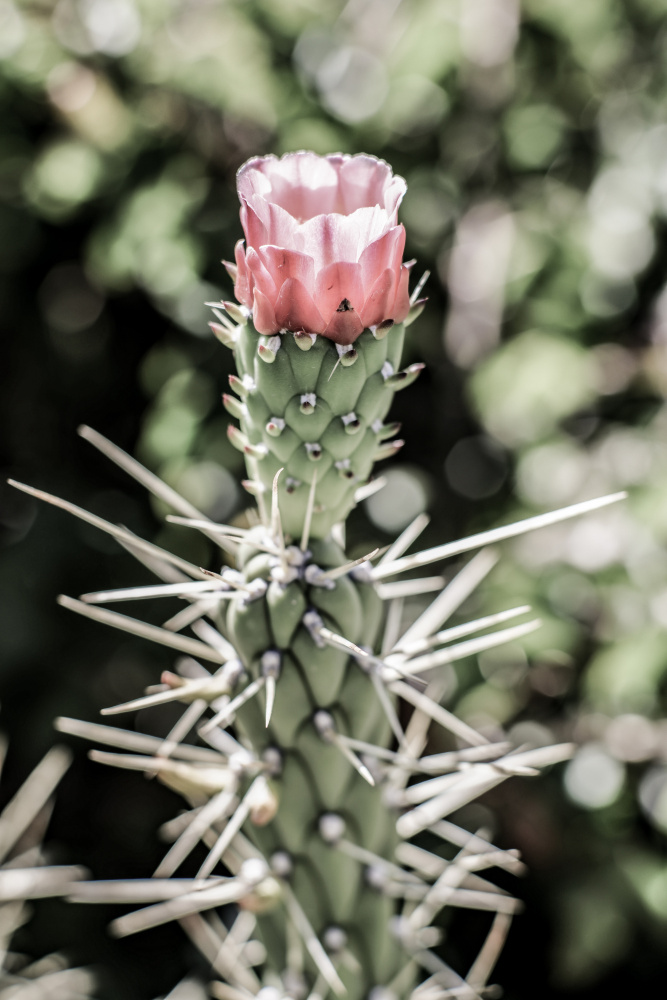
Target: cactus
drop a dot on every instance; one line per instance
(310, 809)
(26, 875)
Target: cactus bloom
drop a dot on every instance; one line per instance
(324, 250)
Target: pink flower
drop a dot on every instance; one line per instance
(323, 248)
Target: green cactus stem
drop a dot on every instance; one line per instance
(323, 696)
(310, 411)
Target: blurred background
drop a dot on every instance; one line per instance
(533, 139)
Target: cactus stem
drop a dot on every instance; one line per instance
(307, 403)
(326, 728)
(314, 450)
(224, 716)
(308, 516)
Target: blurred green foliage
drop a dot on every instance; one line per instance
(533, 139)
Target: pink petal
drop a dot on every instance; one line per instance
(295, 309)
(263, 316)
(364, 182)
(251, 177)
(260, 276)
(282, 227)
(284, 263)
(377, 306)
(329, 238)
(256, 232)
(385, 252)
(306, 185)
(393, 196)
(302, 183)
(242, 284)
(336, 284)
(343, 327)
(401, 305)
(371, 224)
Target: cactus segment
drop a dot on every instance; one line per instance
(318, 774)
(310, 403)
